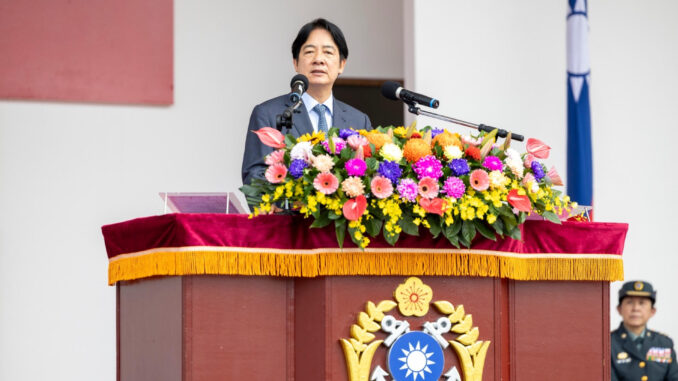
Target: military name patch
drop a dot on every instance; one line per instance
(658, 354)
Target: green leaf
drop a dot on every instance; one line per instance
(372, 163)
(468, 231)
(340, 229)
(464, 241)
(551, 217)
(484, 230)
(373, 226)
(447, 232)
(249, 190)
(290, 140)
(391, 238)
(498, 226)
(346, 153)
(509, 222)
(333, 216)
(455, 228)
(515, 233)
(408, 226)
(321, 221)
(434, 222)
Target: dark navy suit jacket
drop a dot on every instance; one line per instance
(264, 115)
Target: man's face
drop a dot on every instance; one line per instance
(636, 311)
(319, 59)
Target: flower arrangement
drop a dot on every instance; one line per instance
(392, 181)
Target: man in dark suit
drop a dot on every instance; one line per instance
(319, 52)
(637, 352)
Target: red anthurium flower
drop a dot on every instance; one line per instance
(271, 137)
(433, 205)
(538, 148)
(520, 202)
(355, 207)
(555, 177)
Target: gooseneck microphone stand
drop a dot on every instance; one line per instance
(412, 107)
(285, 119)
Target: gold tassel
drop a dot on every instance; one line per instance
(164, 263)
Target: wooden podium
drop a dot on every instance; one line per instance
(200, 299)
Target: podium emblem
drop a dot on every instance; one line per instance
(418, 353)
(415, 355)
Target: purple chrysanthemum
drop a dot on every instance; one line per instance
(408, 189)
(459, 167)
(339, 144)
(454, 187)
(538, 170)
(493, 163)
(428, 166)
(344, 133)
(355, 167)
(391, 170)
(436, 131)
(297, 168)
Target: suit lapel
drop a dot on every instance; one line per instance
(339, 115)
(301, 123)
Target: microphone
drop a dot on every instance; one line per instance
(393, 90)
(299, 84)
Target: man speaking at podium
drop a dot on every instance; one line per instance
(319, 52)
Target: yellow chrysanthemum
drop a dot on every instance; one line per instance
(447, 138)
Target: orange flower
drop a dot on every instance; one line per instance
(378, 139)
(473, 152)
(415, 149)
(447, 138)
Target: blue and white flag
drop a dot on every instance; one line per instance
(579, 156)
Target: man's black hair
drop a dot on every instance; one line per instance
(320, 23)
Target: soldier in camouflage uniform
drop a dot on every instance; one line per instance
(638, 353)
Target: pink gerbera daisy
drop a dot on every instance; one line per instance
(276, 173)
(428, 187)
(326, 183)
(479, 180)
(381, 187)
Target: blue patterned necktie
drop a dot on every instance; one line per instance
(322, 122)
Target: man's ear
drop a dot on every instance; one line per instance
(619, 308)
(342, 64)
(295, 63)
(653, 311)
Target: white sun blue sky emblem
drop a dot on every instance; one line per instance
(415, 356)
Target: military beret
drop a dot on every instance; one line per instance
(637, 288)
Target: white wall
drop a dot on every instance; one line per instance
(504, 64)
(68, 168)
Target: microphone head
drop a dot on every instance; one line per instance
(300, 78)
(389, 89)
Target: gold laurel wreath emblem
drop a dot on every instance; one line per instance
(360, 348)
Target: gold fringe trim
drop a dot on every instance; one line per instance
(168, 263)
